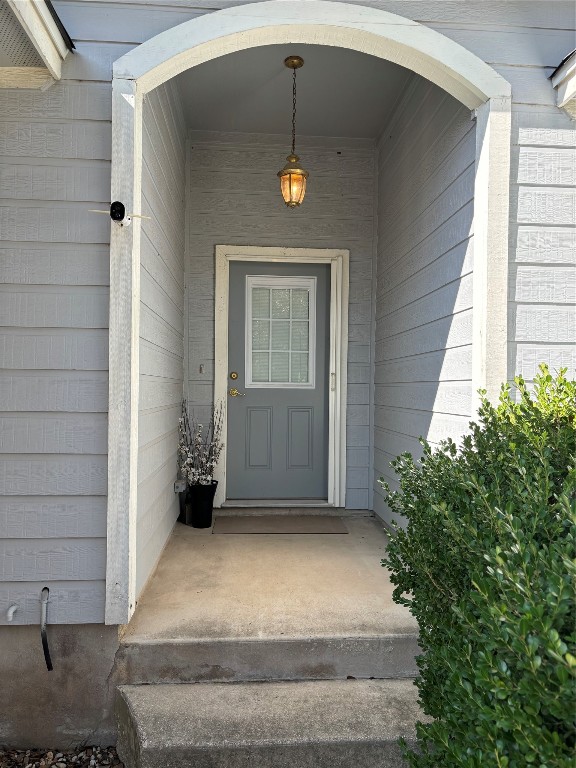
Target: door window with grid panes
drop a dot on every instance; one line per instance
(280, 331)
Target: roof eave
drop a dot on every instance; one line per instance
(45, 31)
(564, 81)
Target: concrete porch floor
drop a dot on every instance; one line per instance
(245, 587)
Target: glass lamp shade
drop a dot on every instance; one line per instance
(293, 181)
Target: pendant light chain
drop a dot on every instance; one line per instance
(293, 177)
(294, 112)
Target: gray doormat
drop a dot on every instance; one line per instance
(279, 524)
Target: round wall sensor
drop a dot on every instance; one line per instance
(117, 211)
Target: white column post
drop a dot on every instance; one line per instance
(491, 223)
(123, 356)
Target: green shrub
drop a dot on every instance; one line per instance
(486, 566)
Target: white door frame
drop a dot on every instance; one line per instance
(368, 30)
(338, 260)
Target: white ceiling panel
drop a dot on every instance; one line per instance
(341, 93)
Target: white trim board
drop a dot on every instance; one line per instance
(564, 81)
(338, 260)
(124, 373)
(367, 30)
(25, 77)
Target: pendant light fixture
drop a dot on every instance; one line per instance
(293, 176)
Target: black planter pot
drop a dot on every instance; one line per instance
(199, 505)
(182, 505)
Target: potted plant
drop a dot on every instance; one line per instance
(198, 453)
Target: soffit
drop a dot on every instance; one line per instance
(341, 92)
(33, 44)
(16, 50)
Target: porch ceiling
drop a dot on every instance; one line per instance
(341, 92)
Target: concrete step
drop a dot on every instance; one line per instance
(336, 724)
(295, 658)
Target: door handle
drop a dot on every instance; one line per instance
(234, 393)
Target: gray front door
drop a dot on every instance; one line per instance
(278, 353)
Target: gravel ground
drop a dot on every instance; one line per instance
(84, 757)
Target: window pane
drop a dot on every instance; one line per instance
(279, 328)
(261, 334)
(280, 303)
(300, 304)
(260, 302)
(280, 364)
(260, 366)
(300, 336)
(280, 334)
(299, 368)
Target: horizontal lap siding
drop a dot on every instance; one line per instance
(525, 46)
(54, 275)
(114, 21)
(524, 13)
(55, 149)
(542, 286)
(161, 324)
(423, 332)
(71, 601)
(234, 199)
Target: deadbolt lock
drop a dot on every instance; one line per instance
(233, 375)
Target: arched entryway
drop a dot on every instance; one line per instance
(366, 30)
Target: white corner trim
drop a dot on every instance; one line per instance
(490, 274)
(124, 344)
(338, 260)
(43, 33)
(564, 81)
(25, 77)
